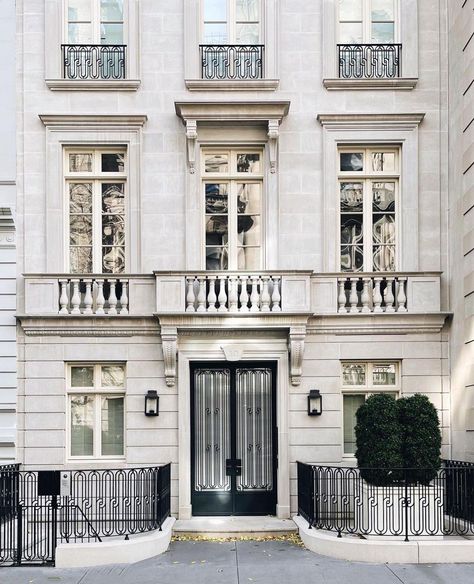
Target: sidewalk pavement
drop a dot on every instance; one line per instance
(243, 562)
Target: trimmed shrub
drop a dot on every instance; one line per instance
(421, 438)
(379, 440)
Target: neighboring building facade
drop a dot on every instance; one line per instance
(7, 235)
(230, 203)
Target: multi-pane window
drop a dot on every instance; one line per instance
(367, 21)
(232, 190)
(98, 22)
(368, 194)
(231, 22)
(96, 395)
(95, 191)
(359, 380)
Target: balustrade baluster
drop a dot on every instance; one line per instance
(190, 296)
(100, 300)
(201, 297)
(401, 295)
(233, 297)
(353, 296)
(64, 298)
(254, 295)
(265, 295)
(124, 297)
(276, 295)
(365, 296)
(388, 296)
(112, 297)
(222, 294)
(377, 295)
(211, 297)
(341, 299)
(88, 297)
(244, 296)
(76, 297)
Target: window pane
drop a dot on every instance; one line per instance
(350, 9)
(350, 33)
(112, 162)
(247, 34)
(382, 10)
(215, 34)
(216, 198)
(113, 260)
(79, 10)
(113, 230)
(80, 162)
(351, 230)
(80, 260)
(384, 258)
(352, 161)
(215, 10)
(248, 163)
(113, 376)
(80, 197)
(383, 197)
(216, 163)
(82, 377)
(248, 10)
(383, 32)
(111, 34)
(82, 425)
(111, 10)
(79, 33)
(383, 161)
(352, 258)
(217, 230)
(217, 258)
(354, 374)
(80, 230)
(351, 403)
(113, 197)
(384, 229)
(112, 426)
(249, 258)
(384, 374)
(248, 200)
(352, 197)
(248, 229)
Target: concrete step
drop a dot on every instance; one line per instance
(232, 526)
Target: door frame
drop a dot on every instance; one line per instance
(233, 366)
(209, 348)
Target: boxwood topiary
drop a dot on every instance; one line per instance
(379, 440)
(421, 438)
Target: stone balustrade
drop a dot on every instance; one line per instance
(372, 294)
(97, 295)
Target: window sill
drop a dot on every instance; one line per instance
(402, 83)
(93, 84)
(232, 84)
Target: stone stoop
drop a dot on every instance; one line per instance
(233, 526)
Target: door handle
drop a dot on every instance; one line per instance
(230, 467)
(238, 467)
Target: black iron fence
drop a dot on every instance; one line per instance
(232, 61)
(51, 507)
(338, 499)
(94, 61)
(370, 61)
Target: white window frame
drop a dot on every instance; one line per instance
(97, 391)
(231, 22)
(366, 177)
(232, 178)
(95, 21)
(96, 177)
(367, 23)
(369, 388)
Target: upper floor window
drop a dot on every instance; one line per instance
(232, 188)
(368, 193)
(231, 39)
(95, 181)
(94, 40)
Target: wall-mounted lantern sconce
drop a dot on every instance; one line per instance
(315, 403)
(152, 403)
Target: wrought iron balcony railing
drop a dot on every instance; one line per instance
(370, 61)
(232, 61)
(94, 61)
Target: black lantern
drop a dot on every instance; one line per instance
(315, 403)
(152, 403)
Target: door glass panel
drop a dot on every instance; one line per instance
(350, 32)
(350, 9)
(211, 429)
(249, 258)
(247, 10)
(215, 10)
(247, 34)
(111, 10)
(383, 32)
(382, 10)
(79, 10)
(82, 425)
(80, 33)
(112, 426)
(215, 33)
(111, 33)
(254, 445)
(351, 404)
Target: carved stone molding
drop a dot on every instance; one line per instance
(296, 340)
(169, 340)
(7, 239)
(233, 352)
(273, 135)
(191, 137)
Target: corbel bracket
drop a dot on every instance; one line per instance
(296, 340)
(273, 135)
(169, 340)
(191, 137)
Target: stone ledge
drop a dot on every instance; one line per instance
(232, 85)
(337, 84)
(115, 551)
(93, 84)
(356, 549)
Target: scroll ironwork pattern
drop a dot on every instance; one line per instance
(232, 61)
(94, 61)
(371, 61)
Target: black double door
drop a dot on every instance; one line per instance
(233, 438)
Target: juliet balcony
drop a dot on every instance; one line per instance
(371, 61)
(232, 62)
(94, 62)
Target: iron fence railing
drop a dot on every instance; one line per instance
(232, 61)
(339, 499)
(94, 61)
(65, 506)
(374, 61)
